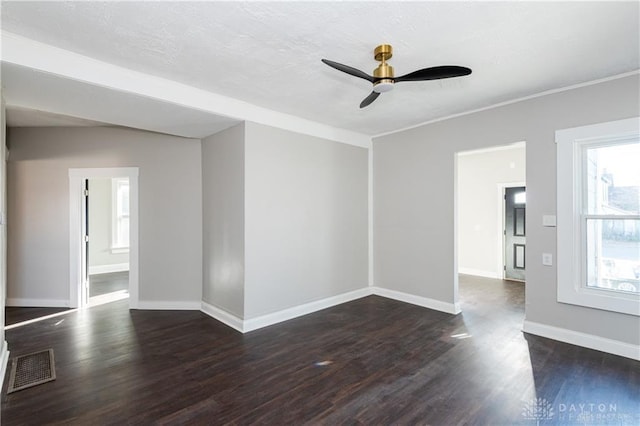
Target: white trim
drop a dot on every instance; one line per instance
(370, 216)
(455, 274)
(245, 326)
(223, 316)
(516, 145)
(425, 302)
(32, 54)
(479, 273)
(304, 309)
(569, 257)
(37, 303)
(76, 178)
(107, 269)
(169, 305)
(119, 250)
(513, 101)
(4, 360)
(590, 341)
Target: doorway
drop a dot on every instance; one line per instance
(482, 177)
(103, 235)
(106, 248)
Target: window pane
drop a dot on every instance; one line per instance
(123, 198)
(613, 179)
(613, 254)
(520, 197)
(518, 256)
(120, 220)
(518, 222)
(123, 232)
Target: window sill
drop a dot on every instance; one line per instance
(600, 299)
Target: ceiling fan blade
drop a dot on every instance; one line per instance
(349, 70)
(369, 99)
(435, 73)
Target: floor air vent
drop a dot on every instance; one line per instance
(31, 370)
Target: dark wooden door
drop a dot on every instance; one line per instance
(515, 218)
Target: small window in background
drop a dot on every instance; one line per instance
(520, 197)
(120, 213)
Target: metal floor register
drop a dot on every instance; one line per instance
(31, 370)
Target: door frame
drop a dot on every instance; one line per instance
(77, 176)
(502, 223)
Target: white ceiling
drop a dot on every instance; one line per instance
(55, 101)
(26, 117)
(267, 54)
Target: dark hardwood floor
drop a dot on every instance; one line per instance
(101, 284)
(373, 361)
(108, 283)
(14, 315)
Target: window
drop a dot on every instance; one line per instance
(120, 215)
(599, 216)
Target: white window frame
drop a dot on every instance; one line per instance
(116, 245)
(571, 235)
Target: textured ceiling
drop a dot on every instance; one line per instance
(268, 53)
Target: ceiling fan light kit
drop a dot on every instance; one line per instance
(384, 72)
(383, 79)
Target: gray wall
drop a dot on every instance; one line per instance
(170, 204)
(100, 224)
(223, 220)
(480, 210)
(414, 181)
(305, 217)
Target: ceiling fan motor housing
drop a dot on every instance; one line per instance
(384, 72)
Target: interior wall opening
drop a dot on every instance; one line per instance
(107, 249)
(103, 236)
(490, 207)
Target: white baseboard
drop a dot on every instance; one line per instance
(304, 309)
(37, 303)
(425, 302)
(4, 361)
(590, 341)
(222, 316)
(107, 269)
(480, 273)
(169, 305)
(251, 324)
(244, 326)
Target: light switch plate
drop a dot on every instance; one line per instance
(547, 259)
(548, 220)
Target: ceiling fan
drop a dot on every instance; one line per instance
(383, 79)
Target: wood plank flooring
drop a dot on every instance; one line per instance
(108, 283)
(15, 315)
(382, 362)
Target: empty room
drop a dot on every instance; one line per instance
(376, 213)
